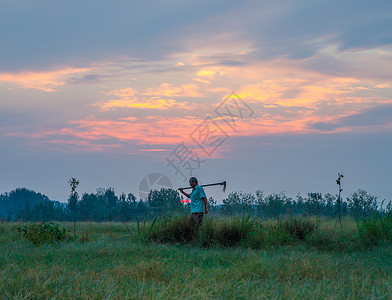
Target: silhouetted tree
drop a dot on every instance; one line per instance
(361, 204)
(73, 199)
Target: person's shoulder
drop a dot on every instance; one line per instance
(201, 189)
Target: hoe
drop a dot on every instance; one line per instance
(211, 184)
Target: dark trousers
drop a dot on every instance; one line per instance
(197, 218)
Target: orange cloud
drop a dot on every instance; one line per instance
(158, 130)
(169, 90)
(146, 103)
(287, 92)
(210, 73)
(159, 97)
(45, 81)
(383, 86)
(152, 130)
(123, 93)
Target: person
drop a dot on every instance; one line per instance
(198, 201)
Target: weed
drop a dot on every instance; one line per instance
(219, 232)
(375, 230)
(169, 230)
(298, 228)
(44, 232)
(84, 238)
(3, 227)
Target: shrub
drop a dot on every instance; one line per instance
(273, 235)
(375, 230)
(44, 233)
(231, 232)
(298, 228)
(3, 227)
(168, 230)
(332, 240)
(180, 229)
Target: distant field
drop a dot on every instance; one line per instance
(114, 263)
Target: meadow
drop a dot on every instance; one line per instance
(267, 259)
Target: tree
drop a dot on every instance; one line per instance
(329, 204)
(238, 202)
(141, 209)
(339, 201)
(159, 201)
(259, 202)
(275, 205)
(361, 204)
(73, 199)
(314, 204)
(212, 205)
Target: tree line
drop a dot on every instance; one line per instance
(104, 205)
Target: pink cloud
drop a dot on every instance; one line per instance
(45, 81)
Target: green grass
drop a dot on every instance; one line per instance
(114, 263)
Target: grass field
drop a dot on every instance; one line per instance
(113, 263)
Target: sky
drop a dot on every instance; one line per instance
(277, 96)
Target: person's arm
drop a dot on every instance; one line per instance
(185, 194)
(204, 198)
(205, 205)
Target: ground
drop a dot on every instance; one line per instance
(112, 263)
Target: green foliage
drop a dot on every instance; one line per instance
(3, 227)
(105, 205)
(175, 229)
(164, 200)
(214, 232)
(238, 203)
(44, 232)
(333, 239)
(84, 238)
(361, 204)
(275, 205)
(73, 197)
(375, 230)
(297, 227)
(230, 232)
(227, 232)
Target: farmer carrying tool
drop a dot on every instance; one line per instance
(198, 199)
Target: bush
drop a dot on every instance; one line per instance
(43, 233)
(168, 230)
(231, 232)
(254, 233)
(298, 228)
(332, 240)
(375, 230)
(224, 232)
(274, 235)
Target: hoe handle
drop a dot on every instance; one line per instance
(203, 185)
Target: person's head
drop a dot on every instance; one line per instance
(193, 181)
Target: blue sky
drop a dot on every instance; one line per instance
(105, 92)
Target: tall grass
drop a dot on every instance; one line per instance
(173, 229)
(3, 227)
(256, 233)
(297, 227)
(376, 230)
(228, 232)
